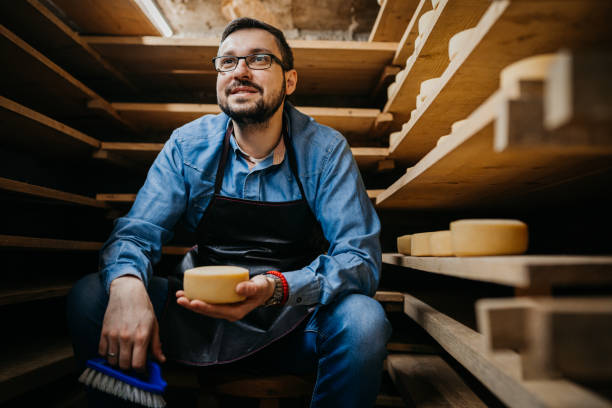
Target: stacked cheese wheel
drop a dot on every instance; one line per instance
(475, 237)
(214, 284)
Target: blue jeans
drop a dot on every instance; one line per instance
(344, 342)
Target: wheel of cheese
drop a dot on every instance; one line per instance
(399, 78)
(440, 243)
(481, 237)
(529, 69)
(458, 42)
(404, 244)
(391, 90)
(457, 125)
(442, 140)
(410, 60)
(420, 244)
(394, 138)
(426, 21)
(434, 3)
(419, 101)
(429, 87)
(405, 127)
(413, 114)
(418, 42)
(214, 284)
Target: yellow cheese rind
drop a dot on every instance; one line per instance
(404, 245)
(214, 284)
(484, 237)
(440, 243)
(420, 244)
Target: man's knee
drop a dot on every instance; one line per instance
(86, 301)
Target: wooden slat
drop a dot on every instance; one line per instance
(43, 30)
(108, 17)
(386, 296)
(13, 296)
(450, 18)
(554, 336)
(509, 31)
(34, 368)
(518, 271)
(392, 19)
(501, 151)
(164, 117)
(405, 46)
(20, 242)
(429, 382)
(501, 371)
(36, 81)
(39, 191)
(323, 66)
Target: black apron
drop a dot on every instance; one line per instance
(257, 235)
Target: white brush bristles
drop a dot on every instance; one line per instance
(112, 386)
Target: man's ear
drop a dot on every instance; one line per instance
(290, 81)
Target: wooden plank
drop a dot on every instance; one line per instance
(392, 19)
(387, 296)
(28, 370)
(13, 296)
(165, 117)
(187, 61)
(427, 381)
(21, 242)
(519, 271)
(40, 191)
(405, 47)
(501, 151)
(554, 336)
(33, 79)
(43, 30)
(108, 17)
(450, 18)
(509, 31)
(116, 198)
(412, 348)
(32, 131)
(501, 371)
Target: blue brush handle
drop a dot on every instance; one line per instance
(155, 383)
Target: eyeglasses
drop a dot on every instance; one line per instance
(225, 63)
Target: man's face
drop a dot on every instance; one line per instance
(251, 96)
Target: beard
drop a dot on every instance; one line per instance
(258, 114)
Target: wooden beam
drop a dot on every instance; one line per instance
(500, 372)
(519, 271)
(40, 191)
(392, 19)
(14, 296)
(427, 381)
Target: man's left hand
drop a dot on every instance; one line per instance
(257, 291)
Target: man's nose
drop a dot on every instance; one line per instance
(242, 69)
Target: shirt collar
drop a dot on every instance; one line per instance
(277, 155)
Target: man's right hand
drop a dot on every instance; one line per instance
(129, 326)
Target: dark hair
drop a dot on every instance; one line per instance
(247, 22)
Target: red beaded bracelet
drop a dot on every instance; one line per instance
(285, 285)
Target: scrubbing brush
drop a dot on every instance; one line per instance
(147, 392)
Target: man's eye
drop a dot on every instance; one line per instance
(260, 58)
(227, 61)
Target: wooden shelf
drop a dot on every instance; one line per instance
(27, 370)
(156, 63)
(20, 242)
(498, 371)
(405, 46)
(162, 118)
(503, 150)
(45, 192)
(13, 296)
(450, 18)
(392, 19)
(32, 131)
(108, 17)
(34, 80)
(519, 271)
(38, 26)
(509, 30)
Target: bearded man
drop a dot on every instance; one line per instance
(264, 187)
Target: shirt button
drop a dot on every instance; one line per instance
(298, 300)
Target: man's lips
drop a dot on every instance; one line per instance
(243, 89)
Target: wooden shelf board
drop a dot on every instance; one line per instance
(509, 30)
(387, 296)
(40, 191)
(165, 117)
(21, 242)
(323, 66)
(451, 17)
(471, 168)
(108, 17)
(518, 271)
(34, 80)
(405, 46)
(38, 26)
(27, 370)
(498, 371)
(392, 19)
(13, 296)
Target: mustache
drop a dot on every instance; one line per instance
(237, 84)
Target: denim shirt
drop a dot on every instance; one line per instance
(180, 184)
